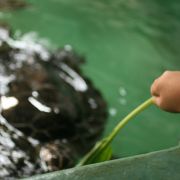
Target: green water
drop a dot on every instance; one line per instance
(127, 44)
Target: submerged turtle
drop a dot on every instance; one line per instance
(51, 114)
(19, 156)
(11, 4)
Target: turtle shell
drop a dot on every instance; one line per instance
(19, 157)
(46, 96)
(11, 4)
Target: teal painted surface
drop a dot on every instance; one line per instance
(127, 44)
(163, 165)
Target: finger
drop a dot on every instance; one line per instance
(155, 88)
(158, 102)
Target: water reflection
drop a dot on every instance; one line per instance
(72, 78)
(39, 105)
(8, 102)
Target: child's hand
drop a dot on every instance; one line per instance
(166, 91)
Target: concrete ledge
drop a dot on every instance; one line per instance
(160, 165)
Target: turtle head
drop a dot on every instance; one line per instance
(57, 155)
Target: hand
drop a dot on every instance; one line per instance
(166, 91)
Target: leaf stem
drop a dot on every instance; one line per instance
(103, 144)
(132, 114)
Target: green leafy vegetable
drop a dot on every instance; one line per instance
(102, 151)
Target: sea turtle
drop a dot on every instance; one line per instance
(48, 104)
(11, 4)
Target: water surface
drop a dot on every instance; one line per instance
(127, 44)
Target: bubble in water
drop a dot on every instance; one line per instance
(112, 111)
